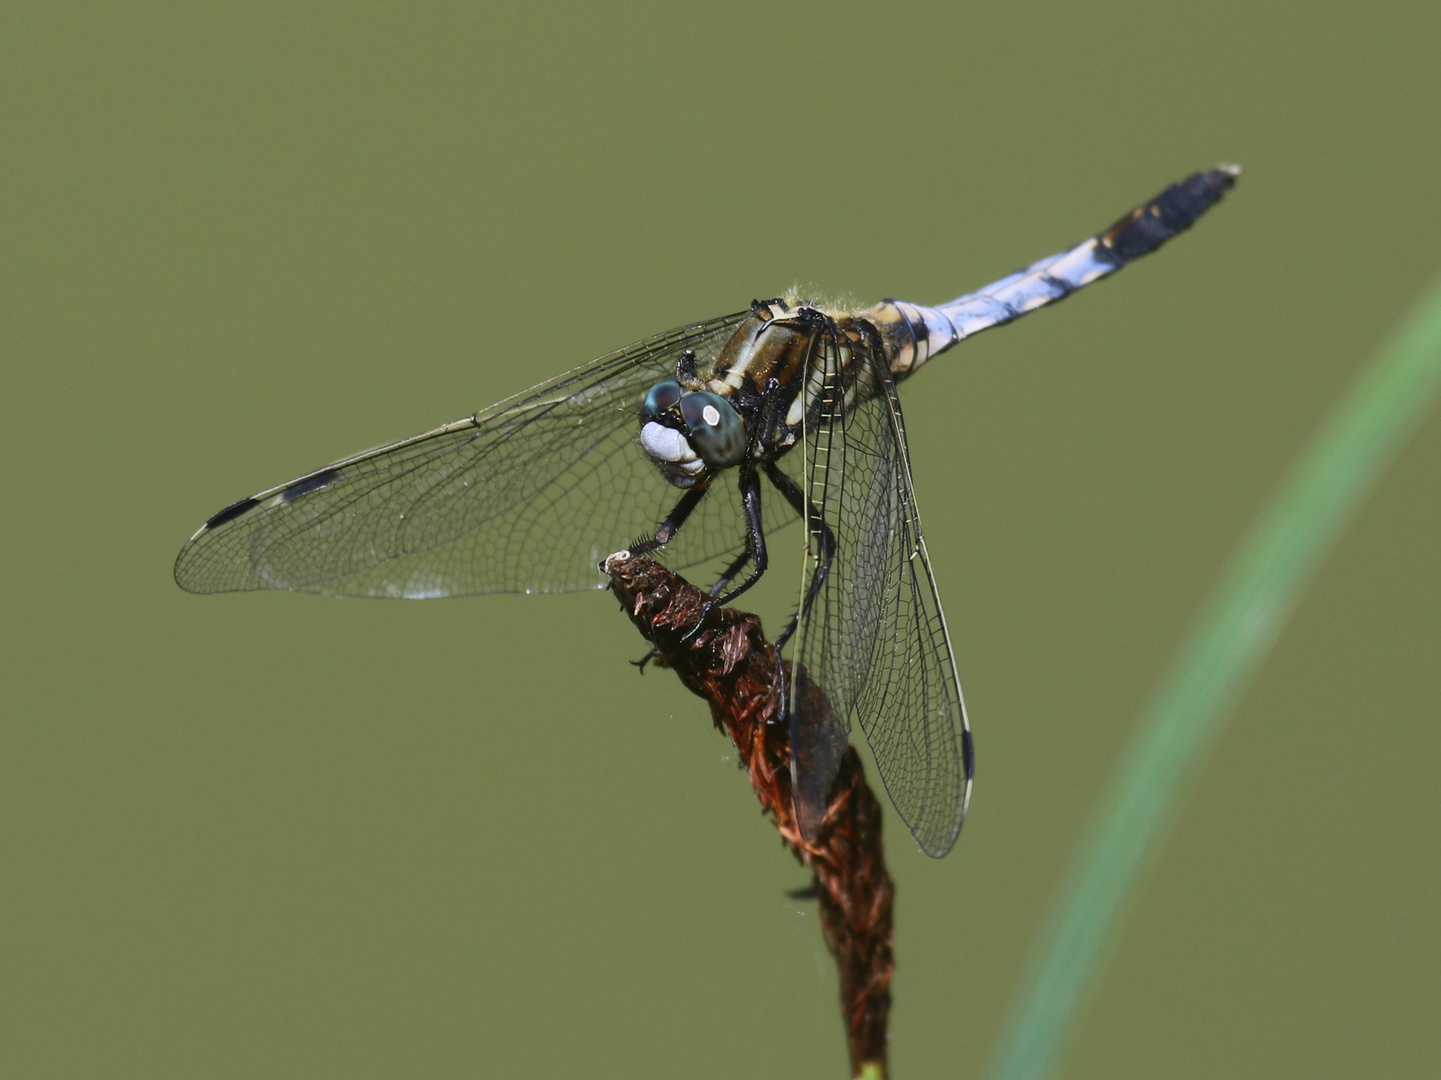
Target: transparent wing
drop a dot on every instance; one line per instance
(874, 637)
(525, 496)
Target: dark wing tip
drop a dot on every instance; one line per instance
(190, 565)
(195, 570)
(933, 843)
(230, 513)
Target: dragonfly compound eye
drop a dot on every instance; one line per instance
(661, 398)
(715, 428)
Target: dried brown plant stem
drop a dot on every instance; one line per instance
(722, 655)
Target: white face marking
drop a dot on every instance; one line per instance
(711, 415)
(666, 444)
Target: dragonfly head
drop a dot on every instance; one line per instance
(690, 433)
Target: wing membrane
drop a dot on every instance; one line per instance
(874, 636)
(524, 496)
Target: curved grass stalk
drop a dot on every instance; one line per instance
(1227, 643)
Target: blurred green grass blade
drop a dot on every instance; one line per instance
(1227, 643)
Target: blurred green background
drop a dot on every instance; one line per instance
(279, 836)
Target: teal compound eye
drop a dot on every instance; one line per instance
(715, 429)
(661, 398)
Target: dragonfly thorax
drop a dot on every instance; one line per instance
(690, 434)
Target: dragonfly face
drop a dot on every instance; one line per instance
(745, 409)
(797, 405)
(690, 434)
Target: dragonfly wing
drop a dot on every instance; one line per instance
(525, 496)
(873, 635)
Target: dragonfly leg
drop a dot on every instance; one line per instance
(816, 523)
(730, 573)
(784, 637)
(663, 536)
(755, 551)
(755, 538)
(665, 533)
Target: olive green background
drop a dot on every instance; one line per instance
(280, 836)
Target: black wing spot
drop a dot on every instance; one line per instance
(310, 484)
(231, 512)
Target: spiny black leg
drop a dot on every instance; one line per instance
(755, 535)
(663, 536)
(783, 638)
(730, 572)
(815, 522)
(677, 517)
(755, 549)
(674, 520)
(721, 582)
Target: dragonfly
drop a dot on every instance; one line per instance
(701, 441)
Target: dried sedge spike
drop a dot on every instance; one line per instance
(721, 655)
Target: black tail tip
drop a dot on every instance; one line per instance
(1176, 209)
(1218, 181)
(1181, 204)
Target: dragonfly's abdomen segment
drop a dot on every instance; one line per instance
(913, 334)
